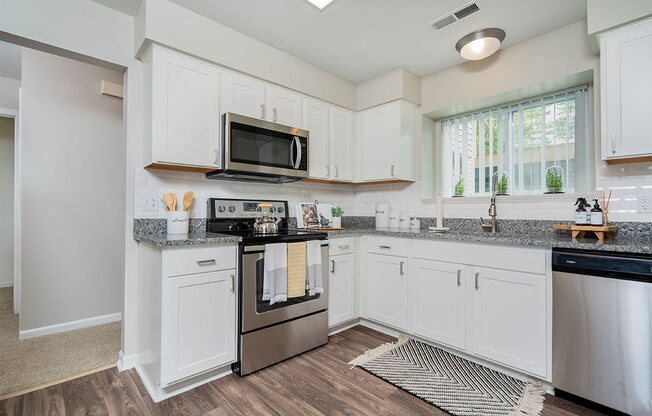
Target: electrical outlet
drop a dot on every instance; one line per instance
(150, 201)
(644, 204)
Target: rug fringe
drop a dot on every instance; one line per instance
(378, 351)
(531, 403)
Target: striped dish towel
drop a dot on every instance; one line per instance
(296, 270)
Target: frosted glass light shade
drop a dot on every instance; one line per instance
(480, 44)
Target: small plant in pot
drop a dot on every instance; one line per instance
(337, 212)
(554, 180)
(458, 190)
(502, 184)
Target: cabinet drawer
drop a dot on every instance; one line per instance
(341, 246)
(388, 245)
(188, 260)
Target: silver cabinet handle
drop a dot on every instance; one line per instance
(262, 111)
(336, 174)
(477, 283)
(392, 171)
(217, 156)
(332, 266)
(613, 142)
(385, 247)
(346, 247)
(232, 283)
(459, 277)
(275, 114)
(206, 262)
(401, 268)
(328, 171)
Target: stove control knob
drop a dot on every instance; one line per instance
(280, 209)
(221, 208)
(272, 209)
(231, 208)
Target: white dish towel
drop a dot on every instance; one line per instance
(275, 275)
(314, 282)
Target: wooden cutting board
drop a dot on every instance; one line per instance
(322, 229)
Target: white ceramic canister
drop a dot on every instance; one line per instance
(415, 224)
(178, 222)
(404, 220)
(382, 215)
(394, 220)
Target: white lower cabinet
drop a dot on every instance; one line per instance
(387, 290)
(438, 302)
(509, 318)
(341, 289)
(199, 324)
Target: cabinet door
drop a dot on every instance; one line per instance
(380, 142)
(283, 106)
(626, 60)
(341, 144)
(198, 324)
(242, 95)
(316, 121)
(185, 110)
(387, 290)
(438, 302)
(341, 289)
(509, 318)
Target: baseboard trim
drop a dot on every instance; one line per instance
(6, 284)
(157, 394)
(69, 326)
(336, 329)
(126, 362)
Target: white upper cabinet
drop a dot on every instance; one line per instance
(282, 106)
(316, 121)
(341, 144)
(387, 142)
(242, 95)
(438, 302)
(626, 91)
(509, 318)
(183, 114)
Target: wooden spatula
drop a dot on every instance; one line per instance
(174, 197)
(170, 201)
(187, 200)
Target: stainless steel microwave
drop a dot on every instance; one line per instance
(259, 150)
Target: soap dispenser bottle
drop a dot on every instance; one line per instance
(596, 214)
(581, 215)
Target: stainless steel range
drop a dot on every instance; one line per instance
(269, 333)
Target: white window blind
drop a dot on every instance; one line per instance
(520, 142)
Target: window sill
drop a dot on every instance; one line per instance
(506, 198)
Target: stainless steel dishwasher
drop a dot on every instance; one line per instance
(602, 329)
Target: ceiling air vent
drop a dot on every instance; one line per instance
(453, 16)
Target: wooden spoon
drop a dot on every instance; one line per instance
(174, 197)
(187, 200)
(169, 200)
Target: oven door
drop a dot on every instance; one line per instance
(257, 313)
(259, 146)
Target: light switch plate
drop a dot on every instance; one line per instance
(644, 204)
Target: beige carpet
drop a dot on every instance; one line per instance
(36, 361)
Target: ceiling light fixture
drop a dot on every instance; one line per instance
(480, 44)
(320, 4)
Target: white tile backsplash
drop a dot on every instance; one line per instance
(627, 183)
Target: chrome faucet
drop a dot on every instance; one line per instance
(493, 225)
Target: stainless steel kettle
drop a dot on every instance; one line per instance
(266, 224)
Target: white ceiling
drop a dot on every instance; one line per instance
(124, 6)
(361, 39)
(9, 60)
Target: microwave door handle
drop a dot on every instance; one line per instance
(292, 152)
(296, 142)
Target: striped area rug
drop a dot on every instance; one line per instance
(453, 384)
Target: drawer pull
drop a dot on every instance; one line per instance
(459, 277)
(477, 283)
(332, 266)
(206, 262)
(345, 247)
(385, 247)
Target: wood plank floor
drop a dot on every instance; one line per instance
(316, 383)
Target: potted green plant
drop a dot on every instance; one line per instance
(502, 185)
(337, 212)
(554, 180)
(458, 191)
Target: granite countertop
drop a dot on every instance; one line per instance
(639, 245)
(160, 238)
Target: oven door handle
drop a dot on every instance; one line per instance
(296, 143)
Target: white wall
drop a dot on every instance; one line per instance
(394, 85)
(7, 207)
(72, 168)
(9, 93)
